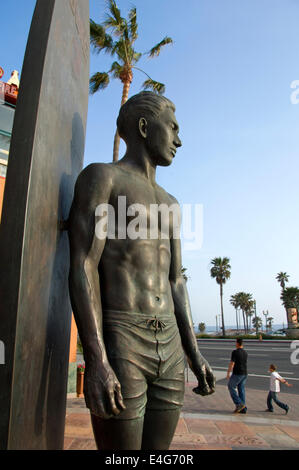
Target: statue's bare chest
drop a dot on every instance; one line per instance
(142, 207)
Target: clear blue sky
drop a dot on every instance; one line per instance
(229, 74)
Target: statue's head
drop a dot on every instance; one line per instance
(150, 117)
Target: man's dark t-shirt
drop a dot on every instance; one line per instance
(239, 357)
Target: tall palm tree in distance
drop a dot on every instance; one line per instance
(245, 303)
(242, 300)
(119, 44)
(282, 278)
(235, 304)
(249, 310)
(220, 270)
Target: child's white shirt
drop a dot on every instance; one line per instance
(274, 382)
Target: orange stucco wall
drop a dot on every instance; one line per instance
(73, 342)
(2, 184)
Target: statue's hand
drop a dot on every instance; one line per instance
(102, 391)
(204, 375)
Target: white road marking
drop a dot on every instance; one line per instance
(251, 355)
(281, 372)
(257, 375)
(267, 376)
(258, 355)
(247, 349)
(280, 349)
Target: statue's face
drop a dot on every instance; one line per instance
(162, 138)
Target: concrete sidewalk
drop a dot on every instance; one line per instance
(207, 423)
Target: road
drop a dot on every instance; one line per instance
(260, 356)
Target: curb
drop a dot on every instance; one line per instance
(239, 418)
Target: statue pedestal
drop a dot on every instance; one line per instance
(292, 333)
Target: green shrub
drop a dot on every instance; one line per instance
(264, 336)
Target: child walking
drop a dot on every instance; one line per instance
(275, 380)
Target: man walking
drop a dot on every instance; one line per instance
(237, 380)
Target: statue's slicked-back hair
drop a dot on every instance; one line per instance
(144, 104)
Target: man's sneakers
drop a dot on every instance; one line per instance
(239, 408)
(244, 411)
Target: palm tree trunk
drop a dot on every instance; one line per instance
(244, 321)
(237, 319)
(285, 307)
(221, 303)
(124, 98)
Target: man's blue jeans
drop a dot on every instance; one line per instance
(236, 387)
(273, 396)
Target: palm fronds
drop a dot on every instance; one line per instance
(133, 27)
(155, 51)
(116, 70)
(99, 39)
(98, 81)
(220, 269)
(157, 87)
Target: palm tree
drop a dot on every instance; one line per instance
(249, 310)
(270, 323)
(125, 32)
(220, 271)
(202, 327)
(249, 316)
(235, 304)
(257, 323)
(245, 303)
(282, 278)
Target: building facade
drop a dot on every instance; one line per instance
(8, 101)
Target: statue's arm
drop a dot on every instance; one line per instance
(200, 367)
(92, 188)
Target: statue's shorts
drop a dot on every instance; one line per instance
(147, 357)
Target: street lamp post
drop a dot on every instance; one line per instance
(266, 316)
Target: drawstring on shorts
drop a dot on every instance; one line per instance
(158, 325)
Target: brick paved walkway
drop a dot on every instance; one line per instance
(208, 423)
